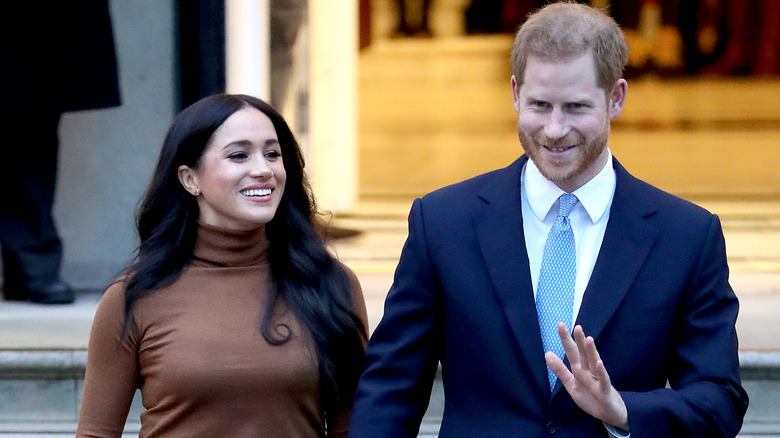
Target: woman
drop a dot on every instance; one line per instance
(233, 319)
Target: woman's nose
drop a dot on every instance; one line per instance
(260, 169)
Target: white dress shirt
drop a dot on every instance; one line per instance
(588, 222)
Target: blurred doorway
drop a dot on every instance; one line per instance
(433, 111)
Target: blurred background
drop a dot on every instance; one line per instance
(701, 118)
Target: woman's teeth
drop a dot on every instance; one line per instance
(256, 192)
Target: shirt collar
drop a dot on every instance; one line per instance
(595, 195)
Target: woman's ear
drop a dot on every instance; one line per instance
(189, 179)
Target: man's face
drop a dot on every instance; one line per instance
(563, 118)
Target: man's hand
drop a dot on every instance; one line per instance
(588, 382)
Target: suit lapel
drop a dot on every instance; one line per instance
(626, 244)
(499, 230)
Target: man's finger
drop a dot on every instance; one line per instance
(590, 354)
(569, 346)
(605, 383)
(557, 366)
(580, 341)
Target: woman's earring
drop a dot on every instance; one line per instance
(196, 192)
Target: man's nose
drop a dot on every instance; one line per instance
(556, 126)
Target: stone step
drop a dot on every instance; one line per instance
(41, 394)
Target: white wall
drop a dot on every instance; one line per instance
(333, 53)
(247, 50)
(107, 156)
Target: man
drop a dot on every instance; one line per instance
(57, 57)
(497, 270)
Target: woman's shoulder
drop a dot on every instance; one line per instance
(109, 315)
(354, 281)
(358, 300)
(113, 299)
(353, 278)
(115, 291)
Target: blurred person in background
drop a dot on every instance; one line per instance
(57, 57)
(416, 24)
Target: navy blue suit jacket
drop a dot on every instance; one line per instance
(658, 304)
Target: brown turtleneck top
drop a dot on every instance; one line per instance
(196, 351)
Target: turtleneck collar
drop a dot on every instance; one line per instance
(223, 247)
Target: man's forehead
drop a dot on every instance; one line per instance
(579, 68)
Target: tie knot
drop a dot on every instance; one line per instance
(567, 201)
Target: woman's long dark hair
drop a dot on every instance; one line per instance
(306, 277)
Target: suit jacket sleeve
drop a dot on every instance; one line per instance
(402, 357)
(705, 397)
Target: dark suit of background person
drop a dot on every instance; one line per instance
(57, 56)
(658, 304)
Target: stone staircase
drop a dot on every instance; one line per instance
(761, 379)
(40, 394)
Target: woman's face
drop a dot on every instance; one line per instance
(240, 181)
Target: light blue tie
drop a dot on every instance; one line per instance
(555, 291)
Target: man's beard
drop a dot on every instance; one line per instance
(589, 152)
